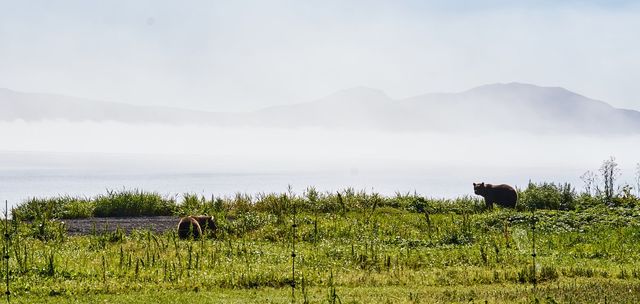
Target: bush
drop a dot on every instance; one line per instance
(192, 204)
(82, 208)
(626, 198)
(53, 208)
(586, 201)
(34, 208)
(547, 196)
(133, 203)
(278, 204)
(461, 205)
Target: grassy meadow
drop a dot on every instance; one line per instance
(350, 247)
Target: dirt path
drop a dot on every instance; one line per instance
(158, 224)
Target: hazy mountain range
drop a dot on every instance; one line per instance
(513, 106)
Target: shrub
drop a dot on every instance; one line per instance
(133, 203)
(626, 199)
(461, 205)
(586, 201)
(78, 208)
(277, 204)
(547, 196)
(34, 208)
(53, 208)
(193, 204)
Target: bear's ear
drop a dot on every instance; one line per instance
(482, 184)
(474, 184)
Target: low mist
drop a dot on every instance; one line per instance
(252, 160)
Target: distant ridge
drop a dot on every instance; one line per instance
(518, 106)
(510, 106)
(37, 107)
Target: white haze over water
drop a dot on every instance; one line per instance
(58, 157)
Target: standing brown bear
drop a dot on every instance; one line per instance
(195, 226)
(503, 195)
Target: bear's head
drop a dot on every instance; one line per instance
(209, 223)
(479, 188)
(206, 222)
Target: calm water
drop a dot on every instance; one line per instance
(17, 185)
(86, 159)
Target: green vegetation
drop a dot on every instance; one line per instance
(122, 203)
(351, 247)
(127, 203)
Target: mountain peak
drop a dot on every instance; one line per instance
(512, 106)
(515, 87)
(515, 91)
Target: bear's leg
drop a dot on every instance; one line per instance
(488, 203)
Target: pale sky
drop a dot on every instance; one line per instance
(245, 55)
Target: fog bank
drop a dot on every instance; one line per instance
(198, 148)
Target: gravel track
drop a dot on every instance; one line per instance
(157, 224)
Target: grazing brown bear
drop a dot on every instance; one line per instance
(189, 227)
(195, 226)
(503, 195)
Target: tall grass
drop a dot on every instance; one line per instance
(114, 203)
(389, 248)
(54, 207)
(133, 203)
(136, 202)
(354, 238)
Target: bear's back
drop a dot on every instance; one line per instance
(503, 195)
(189, 227)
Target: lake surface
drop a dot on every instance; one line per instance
(85, 159)
(18, 185)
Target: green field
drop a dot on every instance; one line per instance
(355, 247)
